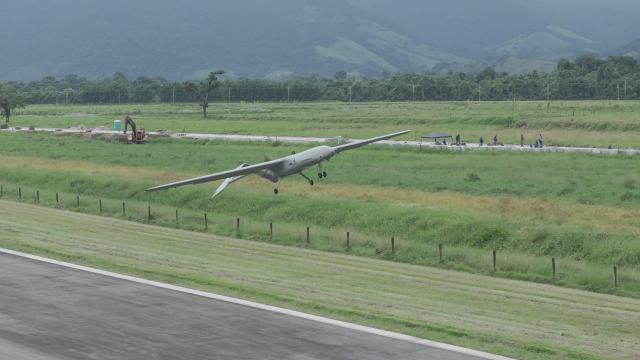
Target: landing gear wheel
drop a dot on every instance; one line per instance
(275, 191)
(324, 173)
(311, 182)
(320, 175)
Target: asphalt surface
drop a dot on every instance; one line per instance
(53, 312)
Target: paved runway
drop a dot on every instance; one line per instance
(306, 140)
(53, 312)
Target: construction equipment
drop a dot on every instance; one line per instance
(138, 136)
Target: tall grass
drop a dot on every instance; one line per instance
(572, 206)
(576, 178)
(581, 263)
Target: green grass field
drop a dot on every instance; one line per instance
(513, 318)
(598, 123)
(581, 209)
(530, 207)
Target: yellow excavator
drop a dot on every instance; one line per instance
(138, 136)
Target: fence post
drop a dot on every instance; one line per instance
(440, 248)
(100, 205)
(393, 244)
(307, 235)
(123, 213)
(237, 224)
(271, 230)
(149, 213)
(38, 196)
(77, 201)
(176, 215)
(615, 276)
(205, 221)
(553, 264)
(347, 238)
(0, 190)
(56, 198)
(494, 260)
(20, 193)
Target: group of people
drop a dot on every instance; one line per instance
(537, 144)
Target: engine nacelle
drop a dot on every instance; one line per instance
(267, 174)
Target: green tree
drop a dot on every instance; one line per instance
(340, 75)
(565, 64)
(119, 76)
(9, 99)
(203, 88)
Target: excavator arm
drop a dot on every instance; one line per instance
(128, 121)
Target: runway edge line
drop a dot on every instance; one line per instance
(298, 314)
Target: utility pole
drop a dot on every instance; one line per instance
(618, 91)
(547, 91)
(513, 106)
(66, 93)
(349, 94)
(288, 94)
(173, 95)
(414, 93)
(478, 92)
(229, 94)
(625, 89)
(118, 97)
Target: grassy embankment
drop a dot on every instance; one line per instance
(517, 319)
(564, 123)
(581, 209)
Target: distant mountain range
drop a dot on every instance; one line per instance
(632, 49)
(284, 38)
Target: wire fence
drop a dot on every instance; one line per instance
(354, 94)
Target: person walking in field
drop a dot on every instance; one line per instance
(481, 140)
(521, 140)
(495, 139)
(540, 140)
(458, 139)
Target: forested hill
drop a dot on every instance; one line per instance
(281, 39)
(632, 49)
(182, 39)
(585, 78)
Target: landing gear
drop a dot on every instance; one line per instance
(304, 176)
(321, 173)
(277, 186)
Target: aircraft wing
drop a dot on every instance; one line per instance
(223, 175)
(345, 147)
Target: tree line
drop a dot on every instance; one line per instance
(583, 78)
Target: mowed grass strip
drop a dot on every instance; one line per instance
(519, 319)
(562, 122)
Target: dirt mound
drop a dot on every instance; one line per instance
(78, 128)
(101, 128)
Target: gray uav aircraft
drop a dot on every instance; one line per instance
(277, 170)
